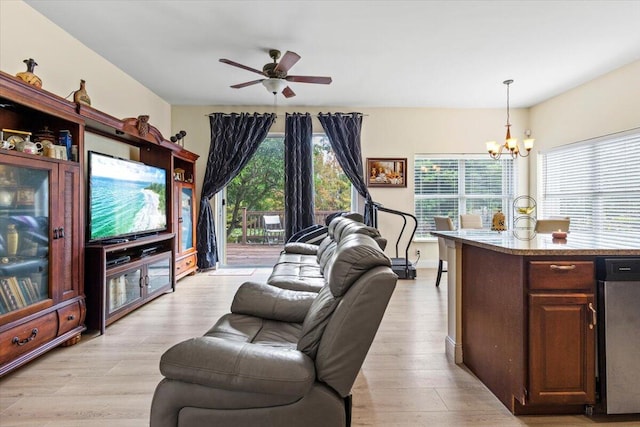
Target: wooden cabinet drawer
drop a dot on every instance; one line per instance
(561, 275)
(68, 318)
(185, 264)
(28, 336)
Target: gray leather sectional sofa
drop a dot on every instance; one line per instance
(283, 356)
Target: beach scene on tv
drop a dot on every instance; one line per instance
(126, 197)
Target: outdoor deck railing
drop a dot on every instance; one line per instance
(252, 224)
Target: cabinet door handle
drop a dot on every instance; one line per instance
(55, 233)
(562, 267)
(61, 233)
(30, 338)
(594, 318)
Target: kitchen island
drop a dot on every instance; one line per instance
(522, 315)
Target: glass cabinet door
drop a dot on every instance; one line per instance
(186, 215)
(123, 289)
(24, 236)
(159, 274)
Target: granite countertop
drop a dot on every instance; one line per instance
(543, 244)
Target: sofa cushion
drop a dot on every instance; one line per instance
(244, 328)
(355, 255)
(236, 366)
(315, 321)
(271, 302)
(297, 259)
(308, 284)
(296, 270)
(301, 248)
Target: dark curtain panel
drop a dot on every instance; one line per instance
(343, 131)
(298, 166)
(234, 140)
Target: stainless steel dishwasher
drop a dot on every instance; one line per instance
(619, 335)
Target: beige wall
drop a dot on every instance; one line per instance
(606, 105)
(63, 61)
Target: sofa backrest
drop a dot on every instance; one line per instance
(359, 285)
(339, 228)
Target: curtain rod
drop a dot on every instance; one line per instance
(211, 114)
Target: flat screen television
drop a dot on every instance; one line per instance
(127, 199)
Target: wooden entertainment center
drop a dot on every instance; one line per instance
(43, 248)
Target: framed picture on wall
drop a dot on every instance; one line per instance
(386, 172)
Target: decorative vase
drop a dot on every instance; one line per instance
(80, 96)
(28, 76)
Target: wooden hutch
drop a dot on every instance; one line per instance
(51, 280)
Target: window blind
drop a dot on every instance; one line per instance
(452, 185)
(597, 184)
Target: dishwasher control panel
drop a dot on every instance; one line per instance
(619, 269)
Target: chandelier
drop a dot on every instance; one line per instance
(511, 144)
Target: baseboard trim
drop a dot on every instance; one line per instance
(453, 350)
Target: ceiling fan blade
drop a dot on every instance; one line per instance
(288, 93)
(244, 67)
(288, 60)
(309, 79)
(245, 84)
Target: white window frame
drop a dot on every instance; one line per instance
(508, 192)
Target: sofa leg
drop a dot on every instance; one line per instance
(348, 403)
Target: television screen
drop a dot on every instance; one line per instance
(126, 198)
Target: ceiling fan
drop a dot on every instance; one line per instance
(276, 74)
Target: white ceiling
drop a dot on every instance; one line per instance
(451, 54)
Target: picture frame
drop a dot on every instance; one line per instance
(386, 172)
(25, 196)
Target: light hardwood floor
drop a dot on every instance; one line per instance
(406, 379)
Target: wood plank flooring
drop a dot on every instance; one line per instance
(406, 379)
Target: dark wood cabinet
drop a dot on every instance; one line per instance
(528, 328)
(562, 321)
(183, 209)
(42, 301)
(561, 349)
(125, 276)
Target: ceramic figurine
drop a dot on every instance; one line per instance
(28, 76)
(498, 222)
(80, 96)
(143, 125)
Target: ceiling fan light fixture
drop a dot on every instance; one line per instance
(274, 85)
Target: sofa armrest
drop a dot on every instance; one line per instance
(270, 302)
(300, 248)
(239, 366)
